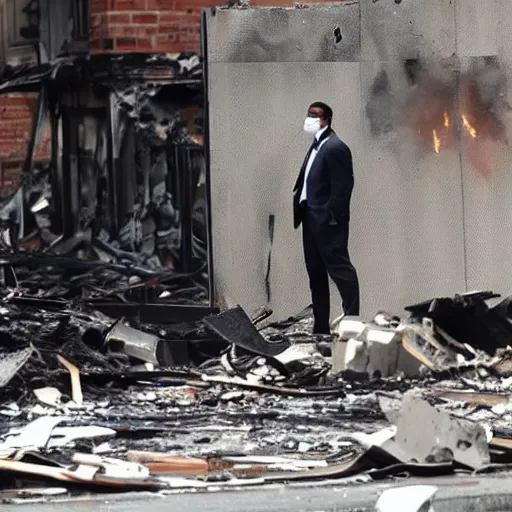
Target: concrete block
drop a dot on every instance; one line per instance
(350, 327)
(383, 348)
(350, 354)
(376, 349)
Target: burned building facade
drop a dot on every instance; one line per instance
(110, 169)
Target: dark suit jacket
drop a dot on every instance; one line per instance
(329, 184)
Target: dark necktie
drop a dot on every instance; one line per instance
(316, 143)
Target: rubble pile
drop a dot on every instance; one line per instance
(92, 262)
(90, 403)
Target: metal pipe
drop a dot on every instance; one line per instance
(206, 145)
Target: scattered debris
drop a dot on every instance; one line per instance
(272, 403)
(48, 396)
(423, 432)
(76, 388)
(33, 436)
(412, 498)
(236, 327)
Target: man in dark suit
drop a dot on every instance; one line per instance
(321, 203)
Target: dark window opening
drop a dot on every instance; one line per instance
(80, 16)
(21, 22)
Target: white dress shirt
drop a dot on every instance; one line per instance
(303, 195)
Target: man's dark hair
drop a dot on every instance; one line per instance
(327, 111)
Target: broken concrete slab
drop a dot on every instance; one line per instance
(376, 350)
(383, 349)
(49, 395)
(390, 406)
(422, 429)
(349, 354)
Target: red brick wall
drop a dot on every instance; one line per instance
(16, 118)
(168, 26)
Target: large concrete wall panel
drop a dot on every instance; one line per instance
(285, 35)
(257, 149)
(408, 215)
(476, 27)
(410, 29)
(484, 97)
(483, 43)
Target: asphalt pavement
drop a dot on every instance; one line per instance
(455, 494)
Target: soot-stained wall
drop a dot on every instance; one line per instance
(420, 94)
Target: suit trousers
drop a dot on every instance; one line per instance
(326, 254)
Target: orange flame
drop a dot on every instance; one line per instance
(446, 120)
(437, 141)
(468, 126)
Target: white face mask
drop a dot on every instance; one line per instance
(312, 125)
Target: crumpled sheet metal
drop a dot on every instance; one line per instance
(468, 319)
(11, 362)
(235, 326)
(468, 333)
(135, 343)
